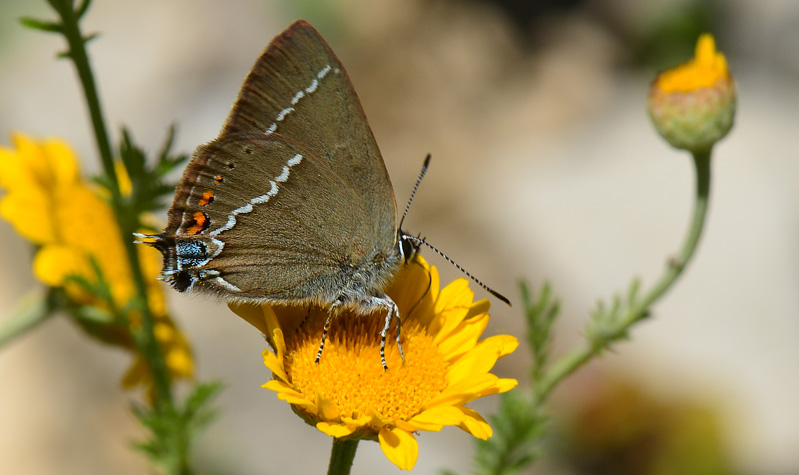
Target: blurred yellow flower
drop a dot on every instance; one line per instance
(348, 394)
(49, 204)
(693, 105)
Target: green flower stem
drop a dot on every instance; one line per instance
(30, 312)
(77, 51)
(147, 343)
(571, 362)
(342, 455)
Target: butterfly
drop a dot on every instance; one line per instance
(292, 203)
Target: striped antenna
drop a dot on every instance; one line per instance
(418, 241)
(415, 187)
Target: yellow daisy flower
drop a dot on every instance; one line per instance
(49, 204)
(348, 394)
(693, 104)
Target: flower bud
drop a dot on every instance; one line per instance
(693, 104)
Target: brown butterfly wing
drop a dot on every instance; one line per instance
(292, 201)
(299, 89)
(267, 228)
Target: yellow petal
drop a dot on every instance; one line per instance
(45, 165)
(335, 430)
(250, 313)
(300, 401)
(464, 391)
(279, 343)
(11, 170)
(180, 362)
(54, 263)
(452, 306)
(507, 344)
(279, 386)
(359, 421)
(478, 361)
(411, 286)
(464, 338)
(274, 363)
(474, 423)
(407, 426)
(62, 162)
(481, 306)
(506, 384)
(29, 212)
(327, 409)
(400, 447)
(439, 415)
(499, 386)
(423, 310)
(288, 394)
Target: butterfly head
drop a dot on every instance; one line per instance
(408, 246)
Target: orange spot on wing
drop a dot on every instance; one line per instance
(208, 198)
(200, 223)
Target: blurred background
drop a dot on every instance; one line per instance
(545, 167)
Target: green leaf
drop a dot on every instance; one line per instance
(82, 8)
(150, 190)
(609, 324)
(173, 431)
(60, 5)
(46, 26)
(91, 37)
(541, 314)
(100, 288)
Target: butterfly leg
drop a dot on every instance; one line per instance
(386, 302)
(325, 329)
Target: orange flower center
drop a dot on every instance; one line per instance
(350, 373)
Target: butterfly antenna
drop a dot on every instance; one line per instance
(419, 241)
(415, 187)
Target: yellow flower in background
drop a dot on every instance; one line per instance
(49, 204)
(348, 394)
(693, 105)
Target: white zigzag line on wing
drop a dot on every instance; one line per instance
(299, 95)
(261, 199)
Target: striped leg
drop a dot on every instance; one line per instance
(389, 304)
(325, 329)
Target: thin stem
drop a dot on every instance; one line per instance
(574, 360)
(342, 455)
(147, 343)
(77, 52)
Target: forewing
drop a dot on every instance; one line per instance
(299, 89)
